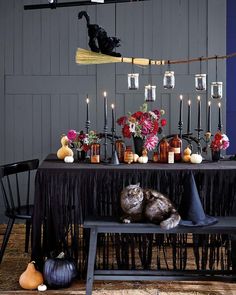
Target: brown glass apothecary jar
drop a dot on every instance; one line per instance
(95, 153)
(120, 149)
(128, 155)
(164, 150)
(176, 147)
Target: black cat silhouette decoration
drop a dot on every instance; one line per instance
(98, 39)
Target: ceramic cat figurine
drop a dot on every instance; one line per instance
(147, 204)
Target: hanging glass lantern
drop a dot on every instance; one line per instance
(216, 90)
(200, 82)
(133, 81)
(150, 93)
(169, 80)
(216, 87)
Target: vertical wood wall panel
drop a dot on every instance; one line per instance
(37, 53)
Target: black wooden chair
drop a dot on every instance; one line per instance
(16, 186)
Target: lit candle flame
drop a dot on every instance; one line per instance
(189, 102)
(181, 97)
(199, 98)
(112, 106)
(209, 103)
(219, 104)
(87, 100)
(105, 94)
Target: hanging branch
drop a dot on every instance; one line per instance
(88, 57)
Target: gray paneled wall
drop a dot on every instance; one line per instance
(43, 90)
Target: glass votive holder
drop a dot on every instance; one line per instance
(133, 81)
(200, 82)
(216, 90)
(150, 93)
(169, 80)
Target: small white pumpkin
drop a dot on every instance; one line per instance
(196, 159)
(136, 158)
(143, 159)
(42, 288)
(68, 159)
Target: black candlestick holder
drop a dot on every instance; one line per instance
(180, 127)
(105, 160)
(87, 126)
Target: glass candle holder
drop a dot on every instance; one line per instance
(133, 81)
(150, 93)
(200, 82)
(216, 90)
(169, 80)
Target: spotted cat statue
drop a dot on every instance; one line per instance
(140, 204)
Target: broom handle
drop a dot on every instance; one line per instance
(146, 62)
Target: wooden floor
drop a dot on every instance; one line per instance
(15, 261)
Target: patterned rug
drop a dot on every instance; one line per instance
(14, 263)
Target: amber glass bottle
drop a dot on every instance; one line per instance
(95, 153)
(155, 157)
(128, 155)
(120, 149)
(164, 149)
(176, 147)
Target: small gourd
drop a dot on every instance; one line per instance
(196, 159)
(187, 151)
(31, 278)
(136, 156)
(144, 158)
(64, 151)
(186, 158)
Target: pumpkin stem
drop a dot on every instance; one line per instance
(61, 255)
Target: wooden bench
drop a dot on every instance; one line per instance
(225, 225)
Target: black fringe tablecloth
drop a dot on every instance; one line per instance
(66, 193)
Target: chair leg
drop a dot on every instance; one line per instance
(27, 235)
(6, 237)
(91, 260)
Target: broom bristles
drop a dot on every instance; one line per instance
(87, 57)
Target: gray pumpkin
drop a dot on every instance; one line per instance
(59, 272)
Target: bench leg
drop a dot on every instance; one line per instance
(91, 260)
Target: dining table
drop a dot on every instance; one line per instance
(67, 193)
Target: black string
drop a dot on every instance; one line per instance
(150, 73)
(168, 66)
(200, 65)
(132, 65)
(216, 70)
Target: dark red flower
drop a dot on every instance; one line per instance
(126, 132)
(121, 120)
(155, 127)
(137, 115)
(163, 122)
(218, 136)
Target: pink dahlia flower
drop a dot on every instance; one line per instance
(151, 142)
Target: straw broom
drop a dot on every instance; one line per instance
(87, 57)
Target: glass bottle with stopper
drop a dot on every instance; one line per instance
(176, 147)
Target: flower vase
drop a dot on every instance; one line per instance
(138, 145)
(79, 155)
(215, 155)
